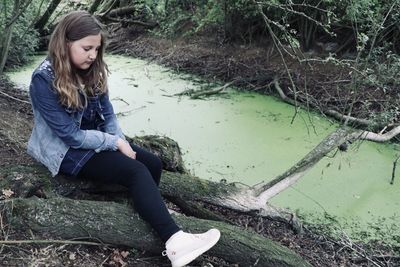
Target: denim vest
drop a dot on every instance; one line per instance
(57, 128)
(75, 159)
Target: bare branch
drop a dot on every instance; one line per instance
(14, 98)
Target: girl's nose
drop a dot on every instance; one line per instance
(92, 55)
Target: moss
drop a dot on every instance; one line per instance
(246, 246)
(191, 187)
(14, 211)
(25, 180)
(165, 148)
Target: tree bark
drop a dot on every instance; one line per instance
(39, 25)
(122, 11)
(106, 7)
(177, 186)
(95, 5)
(267, 190)
(180, 187)
(5, 42)
(117, 224)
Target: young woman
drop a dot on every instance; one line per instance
(76, 131)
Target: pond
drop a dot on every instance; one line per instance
(248, 138)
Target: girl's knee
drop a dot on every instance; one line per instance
(138, 175)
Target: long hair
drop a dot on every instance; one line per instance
(75, 26)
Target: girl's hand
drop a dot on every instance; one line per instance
(125, 148)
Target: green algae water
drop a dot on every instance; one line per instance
(249, 138)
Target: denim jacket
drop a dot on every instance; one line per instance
(57, 128)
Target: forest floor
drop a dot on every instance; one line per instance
(210, 59)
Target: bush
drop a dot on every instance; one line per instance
(24, 43)
(24, 39)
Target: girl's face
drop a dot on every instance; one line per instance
(83, 52)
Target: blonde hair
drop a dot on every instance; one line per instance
(72, 27)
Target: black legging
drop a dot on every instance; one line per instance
(142, 177)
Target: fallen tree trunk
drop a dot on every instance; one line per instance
(117, 224)
(183, 186)
(25, 181)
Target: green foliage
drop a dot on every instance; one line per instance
(364, 12)
(180, 17)
(24, 39)
(372, 21)
(382, 69)
(295, 22)
(24, 43)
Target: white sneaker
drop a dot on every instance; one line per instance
(182, 248)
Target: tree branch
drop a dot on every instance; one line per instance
(266, 190)
(14, 98)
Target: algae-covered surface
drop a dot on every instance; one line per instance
(248, 138)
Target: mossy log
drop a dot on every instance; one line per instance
(176, 184)
(117, 224)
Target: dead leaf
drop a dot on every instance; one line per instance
(72, 256)
(7, 193)
(18, 177)
(124, 254)
(117, 258)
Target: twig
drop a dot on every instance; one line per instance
(394, 170)
(102, 264)
(14, 98)
(337, 115)
(5, 235)
(289, 9)
(337, 81)
(121, 99)
(39, 241)
(278, 45)
(105, 13)
(187, 92)
(197, 94)
(380, 258)
(125, 113)
(17, 13)
(348, 243)
(131, 21)
(211, 91)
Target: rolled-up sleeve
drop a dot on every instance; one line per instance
(46, 101)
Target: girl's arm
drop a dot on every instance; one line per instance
(60, 120)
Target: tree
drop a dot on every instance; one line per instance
(94, 6)
(41, 23)
(8, 20)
